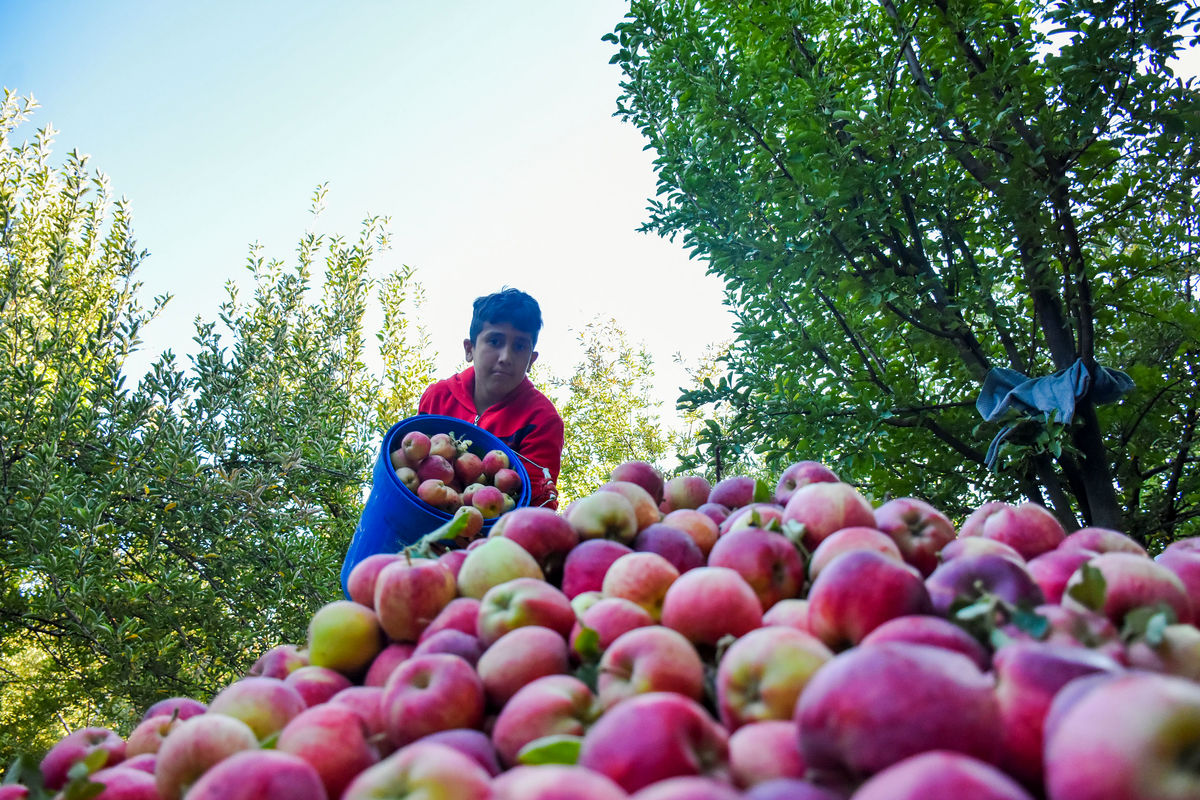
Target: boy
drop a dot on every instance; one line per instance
(495, 394)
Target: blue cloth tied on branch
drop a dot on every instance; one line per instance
(1052, 396)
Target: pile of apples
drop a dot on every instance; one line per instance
(443, 472)
(672, 640)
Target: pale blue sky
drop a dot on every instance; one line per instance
(483, 129)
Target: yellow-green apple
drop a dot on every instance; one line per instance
(439, 494)
(75, 747)
(344, 636)
(977, 546)
(802, 473)
(969, 577)
(919, 529)
(790, 789)
(422, 770)
(870, 707)
(472, 743)
(766, 560)
(1186, 566)
(335, 740)
(278, 661)
(687, 787)
(409, 594)
(606, 515)
(653, 737)
(753, 515)
(642, 578)
(857, 537)
(1134, 736)
(1051, 570)
(644, 474)
(554, 782)
(841, 613)
(1175, 652)
(265, 704)
(494, 461)
(610, 617)
(932, 631)
(519, 657)
(1130, 582)
(649, 659)
(1028, 528)
(709, 603)
(699, 526)
(733, 492)
(823, 508)
(459, 614)
(762, 673)
(645, 510)
(583, 601)
(468, 468)
(317, 684)
(491, 563)
(685, 491)
(1028, 676)
(1102, 540)
(792, 612)
(551, 705)
(364, 701)
(519, 602)
(672, 544)
(586, 564)
(428, 694)
(360, 583)
(764, 751)
(409, 478)
(448, 640)
(148, 735)
(941, 774)
(442, 444)
(182, 707)
(416, 446)
(508, 481)
(390, 657)
(546, 534)
(194, 747)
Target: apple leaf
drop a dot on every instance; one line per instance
(443, 536)
(587, 645)
(270, 742)
(1148, 623)
(763, 492)
(1031, 622)
(557, 749)
(1089, 592)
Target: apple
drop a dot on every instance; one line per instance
(762, 673)
(408, 478)
(1186, 566)
(649, 659)
(642, 578)
(1177, 652)
(416, 447)
(790, 789)
(335, 740)
(459, 614)
(586, 564)
(551, 782)
(435, 468)
(847, 539)
(800, 474)
(472, 743)
(428, 694)
(343, 636)
(448, 640)
(435, 492)
(360, 583)
(701, 527)
(474, 524)
(764, 751)
(977, 546)
(195, 746)
(317, 684)
(653, 737)
(265, 704)
(1134, 736)
(1028, 528)
(544, 533)
(1051, 570)
(932, 631)
(708, 603)
(966, 578)
(120, 783)
(671, 543)
(364, 701)
(1132, 581)
(919, 530)
(714, 511)
(148, 735)
(443, 445)
(422, 770)
(643, 474)
(15, 791)
(753, 515)
(792, 612)
(453, 559)
(841, 613)
(610, 617)
(494, 461)
(552, 705)
(492, 562)
(75, 747)
(468, 468)
(766, 560)
(1077, 627)
(733, 492)
(607, 515)
(1101, 540)
(687, 787)
(941, 774)
(519, 602)
(182, 707)
(685, 491)
(390, 657)
(645, 510)
(519, 657)
(278, 661)
(823, 508)
(508, 481)
(870, 707)
(409, 594)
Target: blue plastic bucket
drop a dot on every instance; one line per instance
(393, 516)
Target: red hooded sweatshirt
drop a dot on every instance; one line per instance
(526, 421)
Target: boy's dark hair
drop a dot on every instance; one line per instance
(507, 305)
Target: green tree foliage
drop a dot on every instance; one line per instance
(157, 538)
(902, 195)
(608, 413)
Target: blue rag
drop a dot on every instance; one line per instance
(1042, 398)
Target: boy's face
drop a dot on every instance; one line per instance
(502, 355)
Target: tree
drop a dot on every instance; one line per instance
(903, 197)
(159, 537)
(608, 413)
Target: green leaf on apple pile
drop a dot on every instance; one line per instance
(763, 491)
(1089, 592)
(557, 749)
(1031, 622)
(587, 645)
(438, 540)
(1148, 623)
(78, 786)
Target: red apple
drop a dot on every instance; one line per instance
(344, 636)
(494, 461)
(587, 563)
(422, 770)
(520, 602)
(800, 474)
(442, 444)
(435, 492)
(265, 704)
(841, 613)
(459, 614)
(764, 751)
(544, 533)
(671, 543)
(941, 774)
(1132, 581)
(649, 659)
(360, 583)
(792, 612)
(966, 578)
(472, 743)
(1101, 540)
(1077, 627)
(335, 740)
(428, 694)
(791, 789)
(409, 594)
(317, 684)
(823, 508)
(468, 468)
(148, 735)
(1186, 566)
(687, 787)
(519, 657)
(386, 662)
(415, 446)
(753, 515)
(552, 705)
(733, 492)
(701, 527)
(714, 511)
(1177, 652)
(555, 782)
(709, 603)
(642, 578)
(763, 672)
(766, 560)
(1028, 528)
(195, 746)
(75, 747)
(278, 662)
(448, 640)
(508, 481)
(364, 701)
(645, 510)
(643, 474)
(1051, 570)
(919, 529)
(435, 468)
(120, 783)
(685, 491)
(977, 546)
(453, 559)
(933, 631)
(187, 707)
(855, 538)
(610, 617)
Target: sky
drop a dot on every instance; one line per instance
(482, 129)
